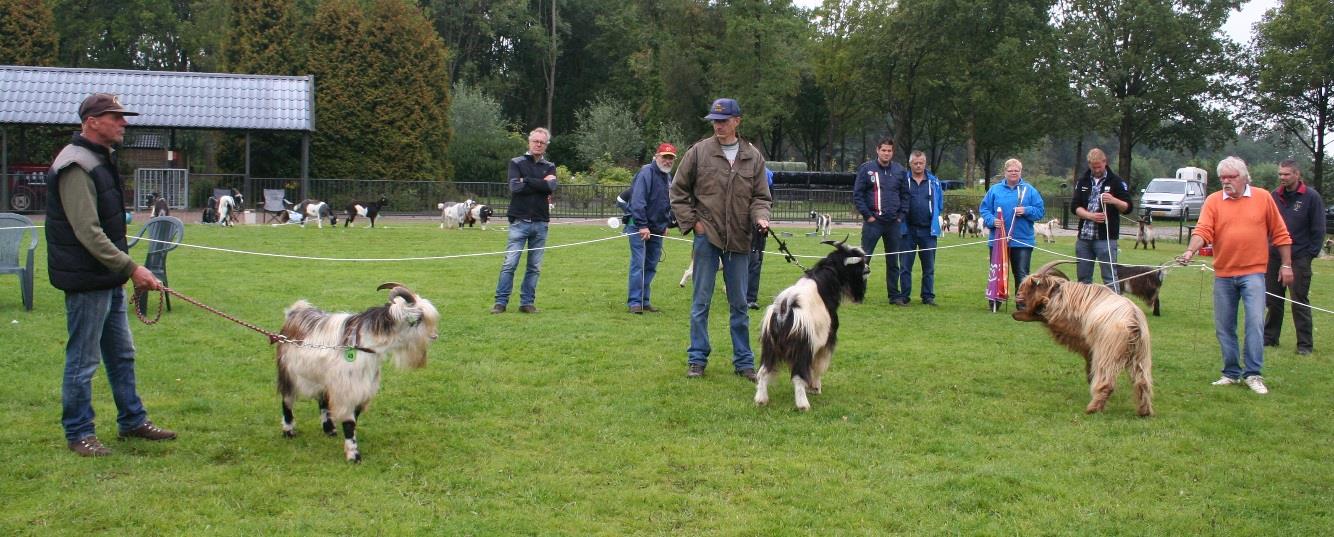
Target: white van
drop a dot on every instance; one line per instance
(1167, 196)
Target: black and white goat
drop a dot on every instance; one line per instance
(1144, 235)
(801, 326)
(229, 207)
(312, 209)
(368, 210)
(822, 222)
(453, 214)
(481, 214)
(337, 357)
(158, 206)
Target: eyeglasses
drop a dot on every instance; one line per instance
(538, 142)
(1229, 177)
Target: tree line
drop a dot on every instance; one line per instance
(447, 88)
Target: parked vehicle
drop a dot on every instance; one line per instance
(951, 185)
(1171, 197)
(27, 187)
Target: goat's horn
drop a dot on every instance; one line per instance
(398, 289)
(838, 244)
(1051, 264)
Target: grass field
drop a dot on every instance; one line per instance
(579, 421)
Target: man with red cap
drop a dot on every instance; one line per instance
(86, 258)
(650, 213)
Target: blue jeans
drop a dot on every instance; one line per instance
(758, 242)
(1087, 250)
(98, 331)
(735, 271)
(1249, 290)
(534, 234)
(872, 233)
(644, 257)
(921, 239)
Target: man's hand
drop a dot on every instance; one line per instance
(549, 178)
(762, 224)
(1285, 275)
(1019, 210)
(1098, 217)
(699, 228)
(144, 280)
(870, 219)
(1185, 257)
(643, 233)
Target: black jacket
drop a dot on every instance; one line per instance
(69, 265)
(529, 193)
(1304, 213)
(1113, 184)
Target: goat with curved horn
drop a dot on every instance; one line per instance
(398, 289)
(1050, 268)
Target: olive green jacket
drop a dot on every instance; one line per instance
(726, 198)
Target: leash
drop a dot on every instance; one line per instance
(274, 337)
(782, 247)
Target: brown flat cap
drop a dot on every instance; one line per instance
(102, 103)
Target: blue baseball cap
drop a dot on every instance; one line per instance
(724, 109)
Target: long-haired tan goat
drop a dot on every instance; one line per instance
(1110, 331)
(337, 357)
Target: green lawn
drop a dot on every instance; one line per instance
(579, 421)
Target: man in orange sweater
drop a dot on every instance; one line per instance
(1241, 221)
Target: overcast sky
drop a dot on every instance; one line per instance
(1238, 26)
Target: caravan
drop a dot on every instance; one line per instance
(1174, 197)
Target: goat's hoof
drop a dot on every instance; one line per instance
(813, 390)
(761, 402)
(354, 458)
(289, 434)
(806, 408)
(329, 429)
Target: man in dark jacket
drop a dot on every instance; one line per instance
(532, 179)
(86, 258)
(1304, 213)
(649, 209)
(1100, 198)
(880, 194)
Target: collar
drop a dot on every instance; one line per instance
(1301, 188)
(1244, 194)
(85, 143)
(529, 154)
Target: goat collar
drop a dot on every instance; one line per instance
(352, 336)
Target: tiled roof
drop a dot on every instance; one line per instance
(51, 96)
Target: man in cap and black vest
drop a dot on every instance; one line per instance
(86, 258)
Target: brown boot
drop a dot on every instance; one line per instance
(89, 446)
(148, 431)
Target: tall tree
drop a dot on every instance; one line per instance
(262, 38)
(1155, 67)
(27, 33)
(128, 34)
(1293, 76)
(482, 146)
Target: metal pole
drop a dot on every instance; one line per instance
(4, 168)
(305, 165)
(247, 188)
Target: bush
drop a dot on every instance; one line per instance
(482, 145)
(604, 172)
(607, 131)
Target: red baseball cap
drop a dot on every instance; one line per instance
(666, 149)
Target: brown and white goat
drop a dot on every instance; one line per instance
(1145, 234)
(801, 326)
(336, 358)
(1106, 328)
(1047, 229)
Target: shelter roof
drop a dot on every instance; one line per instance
(51, 96)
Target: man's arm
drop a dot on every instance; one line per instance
(860, 186)
(1037, 208)
(682, 193)
(639, 197)
(904, 196)
(78, 198)
(761, 198)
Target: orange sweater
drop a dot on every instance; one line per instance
(1241, 230)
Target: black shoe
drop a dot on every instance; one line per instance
(1303, 351)
(748, 373)
(498, 308)
(1271, 343)
(528, 309)
(650, 309)
(694, 371)
(928, 302)
(753, 305)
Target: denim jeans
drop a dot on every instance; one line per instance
(1301, 315)
(534, 234)
(921, 239)
(872, 233)
(758, 242)
(1087, 250)
(98, 331)
(1249, 290)
(1019, 265)
(735, 271)
(644, 257)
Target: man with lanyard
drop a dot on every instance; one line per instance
(1304, 214)
(880, 194)
(926, 199)
(1099, 228)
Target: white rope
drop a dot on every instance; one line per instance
(382, 259)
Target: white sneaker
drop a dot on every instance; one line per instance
(1225, 381)
(1257, 384)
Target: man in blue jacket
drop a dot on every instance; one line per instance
(880, 194)
(921, 228)
(1021, 205)
(649, 210)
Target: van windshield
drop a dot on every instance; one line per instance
(1166, 187)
